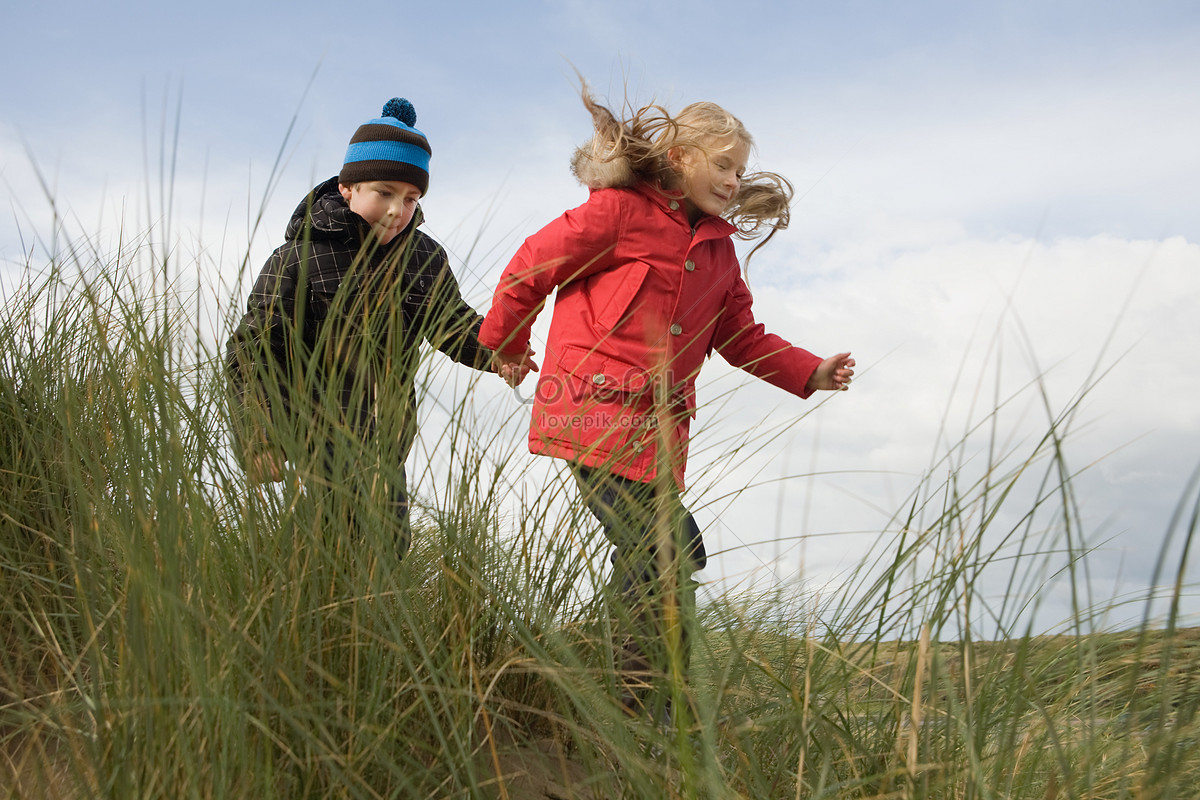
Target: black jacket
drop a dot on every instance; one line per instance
(331, 336)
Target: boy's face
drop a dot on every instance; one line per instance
(387, 205)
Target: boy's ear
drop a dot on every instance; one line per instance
(346, 191)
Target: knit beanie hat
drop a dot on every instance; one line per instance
(388, 149)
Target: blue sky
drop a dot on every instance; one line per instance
(986, 197)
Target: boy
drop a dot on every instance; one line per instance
(322, 365)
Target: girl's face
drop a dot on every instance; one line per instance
(388, 206)
(710, 182)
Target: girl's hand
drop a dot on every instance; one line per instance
(834, 373)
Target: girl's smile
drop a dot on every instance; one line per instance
(711, 181)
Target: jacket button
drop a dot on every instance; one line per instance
(598, 378)
(676, 329)
(637, 446)
(689, 265)
(674, 205)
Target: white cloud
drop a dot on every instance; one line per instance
(942, 334)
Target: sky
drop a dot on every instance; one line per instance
(996, 211)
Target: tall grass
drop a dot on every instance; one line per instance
(169, 631)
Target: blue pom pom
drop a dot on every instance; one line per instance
(401, 109)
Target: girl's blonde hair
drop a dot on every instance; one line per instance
(634, 150)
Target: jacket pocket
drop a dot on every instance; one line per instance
(599, 374)
(620, 285)
(598, 409)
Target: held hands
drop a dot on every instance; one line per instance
(833, 373)
(514, 367)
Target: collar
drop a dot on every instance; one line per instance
(708, 227)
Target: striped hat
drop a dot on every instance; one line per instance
(388, 149)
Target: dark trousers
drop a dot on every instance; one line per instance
(354, 485)
(656, 547)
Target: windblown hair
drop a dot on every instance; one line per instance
(634, 150)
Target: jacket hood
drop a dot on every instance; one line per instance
(325, 214)
(597, 169)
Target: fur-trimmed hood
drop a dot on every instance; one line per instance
(593, 165)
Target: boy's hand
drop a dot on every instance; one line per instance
(833, 373)
(264, 467)
(513, 368)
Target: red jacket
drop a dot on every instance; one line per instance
(642, 301)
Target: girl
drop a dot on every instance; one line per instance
(648, 286)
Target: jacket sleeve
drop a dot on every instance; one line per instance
(745, 344)
(577, 244)
(259, 348)
(450, 323)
